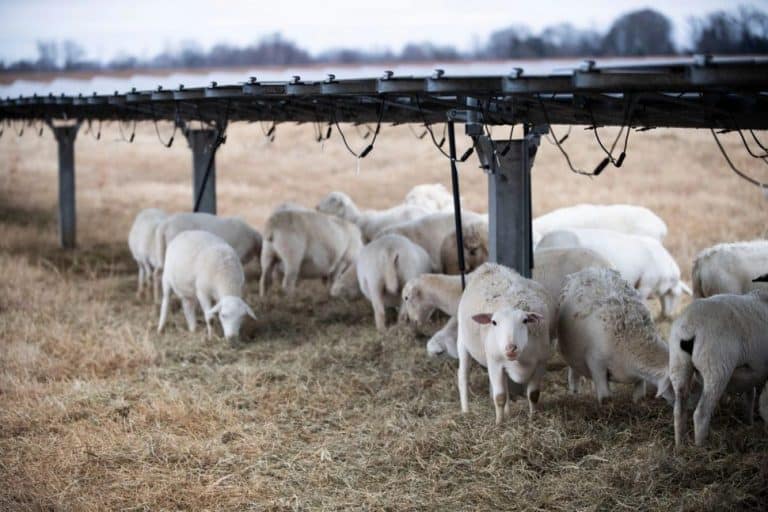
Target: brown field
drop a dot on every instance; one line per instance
(316, 410)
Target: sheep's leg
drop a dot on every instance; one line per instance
(712, 391)
(189, 313)
(534, 390)
(749, 405)
(463, 376)
(156, 280)
(205, 304)
(140, 287)
(640, 391)
(498, 381)
(379, 310)
(681, 414)
(574, 381)
(164, 306)
(268, 264)
(600, 378)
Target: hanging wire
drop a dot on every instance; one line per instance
(369, 148)
(762, 157)
(560, 147)
(751, 180)
(439, 145)
(19, 133)
(157, 130)
(626, 123)
(420, 137)
(757, 141)
(562, 139)
(367, 133)
(89, 131)
(122, 135)
(269, 134)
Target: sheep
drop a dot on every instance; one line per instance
(503, 323)
(141, 240)
(552, 266)
(475, 241)
(624, 218)
(605, 332)
(444, 340)
(383, 267)
(430, 232)
(432, 197)
(201, 265)
(307, 244)
(369, 221)
(423, 294)
(723, 338)
(730, 268)
(642, 261)
(245, 240)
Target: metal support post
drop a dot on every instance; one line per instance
(509, 199)
(202, 142)
(65, 137)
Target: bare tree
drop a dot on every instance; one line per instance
(644, 32)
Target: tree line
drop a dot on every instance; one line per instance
(638, 33)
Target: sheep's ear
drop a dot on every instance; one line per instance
(686, 288)
(215, 309)
(249, 311)
(482, 318)
(532, 318)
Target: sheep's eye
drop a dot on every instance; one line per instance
(525, 320)
(493, 322)
(405, 298)
(472, 252)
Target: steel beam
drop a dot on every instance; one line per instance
(508, 164)
(65, 137)
(202, 142)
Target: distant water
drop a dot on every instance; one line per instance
(142, 80)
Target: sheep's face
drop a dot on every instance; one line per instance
(508, 331)
(346, 286)
(412, 304)
(232, 310)
(439, 345)
(670, 300)
(334, 203)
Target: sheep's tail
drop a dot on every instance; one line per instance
(682, 340)
(696, 279)
(391, 280)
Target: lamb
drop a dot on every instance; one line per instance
(141, 240)
(723, 338)
(423, 294)
(503, 323)
(444, 340)
(642, 261)
(383, 267)
(307, 244)
(552, 266)
(430, 232)
(605, 332)
(624, 218)
(475, 238)
(730, 268)
(369, 221)
(199, 264)
(432, 197)
(245, 240)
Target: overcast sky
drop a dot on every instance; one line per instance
(144, 28)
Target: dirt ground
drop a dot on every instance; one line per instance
(315, 410)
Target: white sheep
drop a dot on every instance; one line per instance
(605, 332)
(723, 338)
(624, 218)
(426, 293)
(730, 268)
(503, 323)
(245, 240)
(552, 266)
(642, 261)
(444, 340)
(475, 241)
(141, 242)
(430, 232)
(369, 221)
(200, 265)
(383, 267)
(433, 197)
(307, 244)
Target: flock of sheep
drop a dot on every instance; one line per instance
(595, 267)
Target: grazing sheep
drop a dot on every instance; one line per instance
(307, 244)
(605, 332)
(430, 232)
(432, 197)
(383, 267)
(444, 340)
(141, 241)
(503, 323)
(423, 294)
(199, 264)
(723, 338)
(245, 240)
(642, 261)
(475, 238)
(730, 268)
(624, 218)
(369, 221)
(552, 266)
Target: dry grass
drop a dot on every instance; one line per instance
(316, 410)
